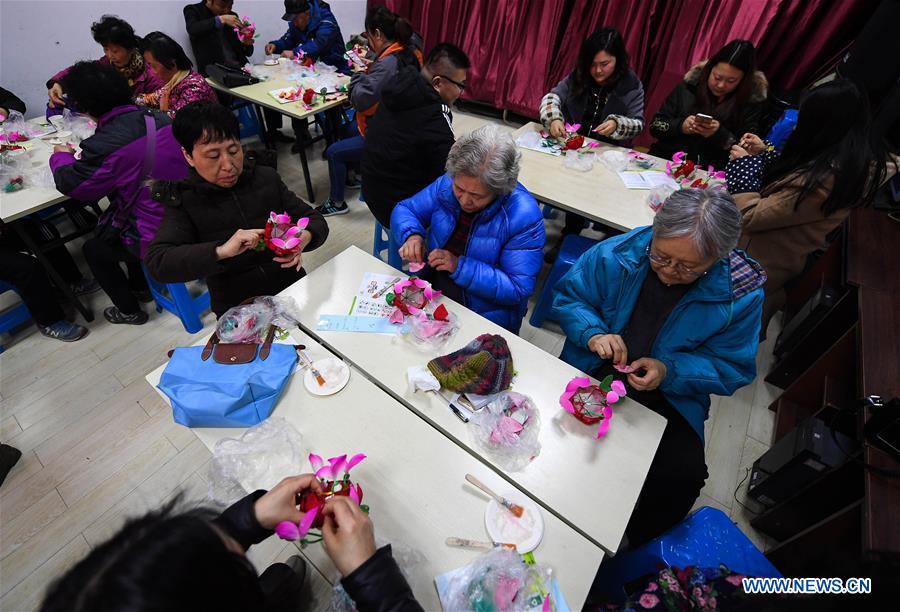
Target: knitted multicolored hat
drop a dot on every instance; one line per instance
(483, 367)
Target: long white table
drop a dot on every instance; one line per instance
(413, 481)
(31, 199)
(598, 194)
(590, 484)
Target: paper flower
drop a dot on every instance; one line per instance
(13, 136)
(411, 296)
(286, 530)
(573, 128)
(591, 403)
(281, 236)
(309, 95)
(246, 33)
(574, 143)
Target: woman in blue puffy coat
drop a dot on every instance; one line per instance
(484, 232)
(678, 306)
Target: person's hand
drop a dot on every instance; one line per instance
(655, 373)
(609, 346)
(443, 260)
(707, 129)
(63, 148)
(737, 151)
(55, 93)
(413, 249)
(558, 129)
(280, 503)
(242, 240)
(689, 125)
(607, 127)
(270, 48)
(4, 113)
(752, 143)
(287, 54)
(348, 534)
(230, 20)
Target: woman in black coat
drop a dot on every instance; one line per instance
(215, 218)
(727, 88)
(196, 561)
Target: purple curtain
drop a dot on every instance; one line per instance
(521, 48)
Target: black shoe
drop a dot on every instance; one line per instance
(298, 565)
(85, 286)
(142, 295)
(278, 136)
(117, 317)
(329, 208)
(9, 456)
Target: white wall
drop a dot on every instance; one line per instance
(39, 37)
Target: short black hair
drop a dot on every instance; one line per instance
(166, 51)
(164, 560)
(96, 88)
(604, 39)
(204, 122)
(113, 30)
(447, 53)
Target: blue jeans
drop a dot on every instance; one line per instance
(341, 155)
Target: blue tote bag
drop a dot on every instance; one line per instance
(227, 385)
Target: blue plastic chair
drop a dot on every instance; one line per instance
(13, 317)
(381, 243)
(706, 538)
(175, 298)
(572, 248)
(248, 121)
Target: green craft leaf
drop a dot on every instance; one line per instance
(606, 383)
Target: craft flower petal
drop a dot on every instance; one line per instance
(303, 222)
(416, 266)
(326, 473)
(354, 494)
(573, 127)
(604, 424)
(315, 461)
(338, 465)
(354, 460)
(506, 431)
(287, 530)
(282, 218)
(307, 521)
(396, 316)
(612, 397)
(619, 388)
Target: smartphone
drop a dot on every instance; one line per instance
(703, 118)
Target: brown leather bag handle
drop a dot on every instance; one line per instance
(263, 352)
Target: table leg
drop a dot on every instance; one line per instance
(305, 165)
(264, 129)
(63, 286)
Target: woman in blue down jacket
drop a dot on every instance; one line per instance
(485, 232)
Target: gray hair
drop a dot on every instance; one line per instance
(488, 154)
(710, 218)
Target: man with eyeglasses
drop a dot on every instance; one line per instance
(410, 135)
(673, 311)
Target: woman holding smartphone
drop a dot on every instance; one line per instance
(718, 99)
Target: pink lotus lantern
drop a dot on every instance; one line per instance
(282, 237)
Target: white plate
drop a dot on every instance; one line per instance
(502, 526)
(335, 372)
(270, 62)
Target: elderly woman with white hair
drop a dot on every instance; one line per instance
(678, 307)
(479, 231)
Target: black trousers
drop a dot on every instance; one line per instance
(676, 475)
(105, 261)
(27, 274)
(283, 589)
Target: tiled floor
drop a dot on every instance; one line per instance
(99, 445)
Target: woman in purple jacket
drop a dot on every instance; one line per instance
(183, 84)
(121, 50)
(129, 148)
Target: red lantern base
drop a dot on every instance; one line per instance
(309, 500)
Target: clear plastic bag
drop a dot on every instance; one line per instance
(617, 161)
(407, 558)
(508, 428)
(582, 161)
(657, 196)
(259, 459)
(249, 323)
(500, 581)
(81, 126)
(14, 129)
(429, 334)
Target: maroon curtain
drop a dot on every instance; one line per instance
(522, 48)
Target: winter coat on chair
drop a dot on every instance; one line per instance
(666, 124)
(708, 342)
(504, 254)
(200, 216)
(110, 166)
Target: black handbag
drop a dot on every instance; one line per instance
(228, 76)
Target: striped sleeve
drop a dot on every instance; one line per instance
(626, 127)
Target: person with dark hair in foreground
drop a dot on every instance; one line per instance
(215, 218)
(830, 164)
(122, 51)
(603, 95)
(116, 162)
(193, 560)
(410, 135)
(718, 100)
(183, 84)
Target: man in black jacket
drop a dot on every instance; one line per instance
(410, 135)
(215, 218)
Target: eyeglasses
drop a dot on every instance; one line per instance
(462, 86)
(680, 268)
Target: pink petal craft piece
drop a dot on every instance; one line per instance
(354, 460)
(287, 530)
(416, 266)
(307, 521)
(316, 461)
